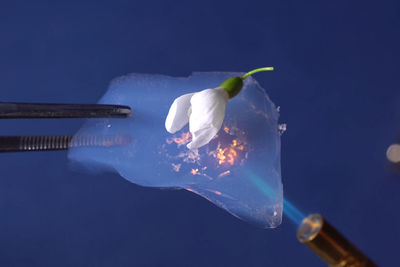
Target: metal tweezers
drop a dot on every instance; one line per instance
(9, 110)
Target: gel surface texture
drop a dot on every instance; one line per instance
(239, 170)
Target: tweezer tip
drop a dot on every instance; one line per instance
(125, 111)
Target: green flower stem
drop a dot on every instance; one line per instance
(257, 70)
(233, 85)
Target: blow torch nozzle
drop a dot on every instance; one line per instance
(325, 241)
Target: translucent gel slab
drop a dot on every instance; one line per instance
(239, 170)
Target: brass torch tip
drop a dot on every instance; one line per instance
(329, 244)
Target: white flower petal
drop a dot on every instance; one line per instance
(202, 137)
(208, 112)
(178, 113)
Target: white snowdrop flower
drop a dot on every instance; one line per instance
(204, 110)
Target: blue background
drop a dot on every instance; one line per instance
(337, 82)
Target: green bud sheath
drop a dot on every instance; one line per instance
(233, 85)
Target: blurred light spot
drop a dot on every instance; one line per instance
(393, 153)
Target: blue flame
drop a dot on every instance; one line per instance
(293, 213)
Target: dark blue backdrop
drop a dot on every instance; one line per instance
(336, 80)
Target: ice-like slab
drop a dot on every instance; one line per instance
(239, 170)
